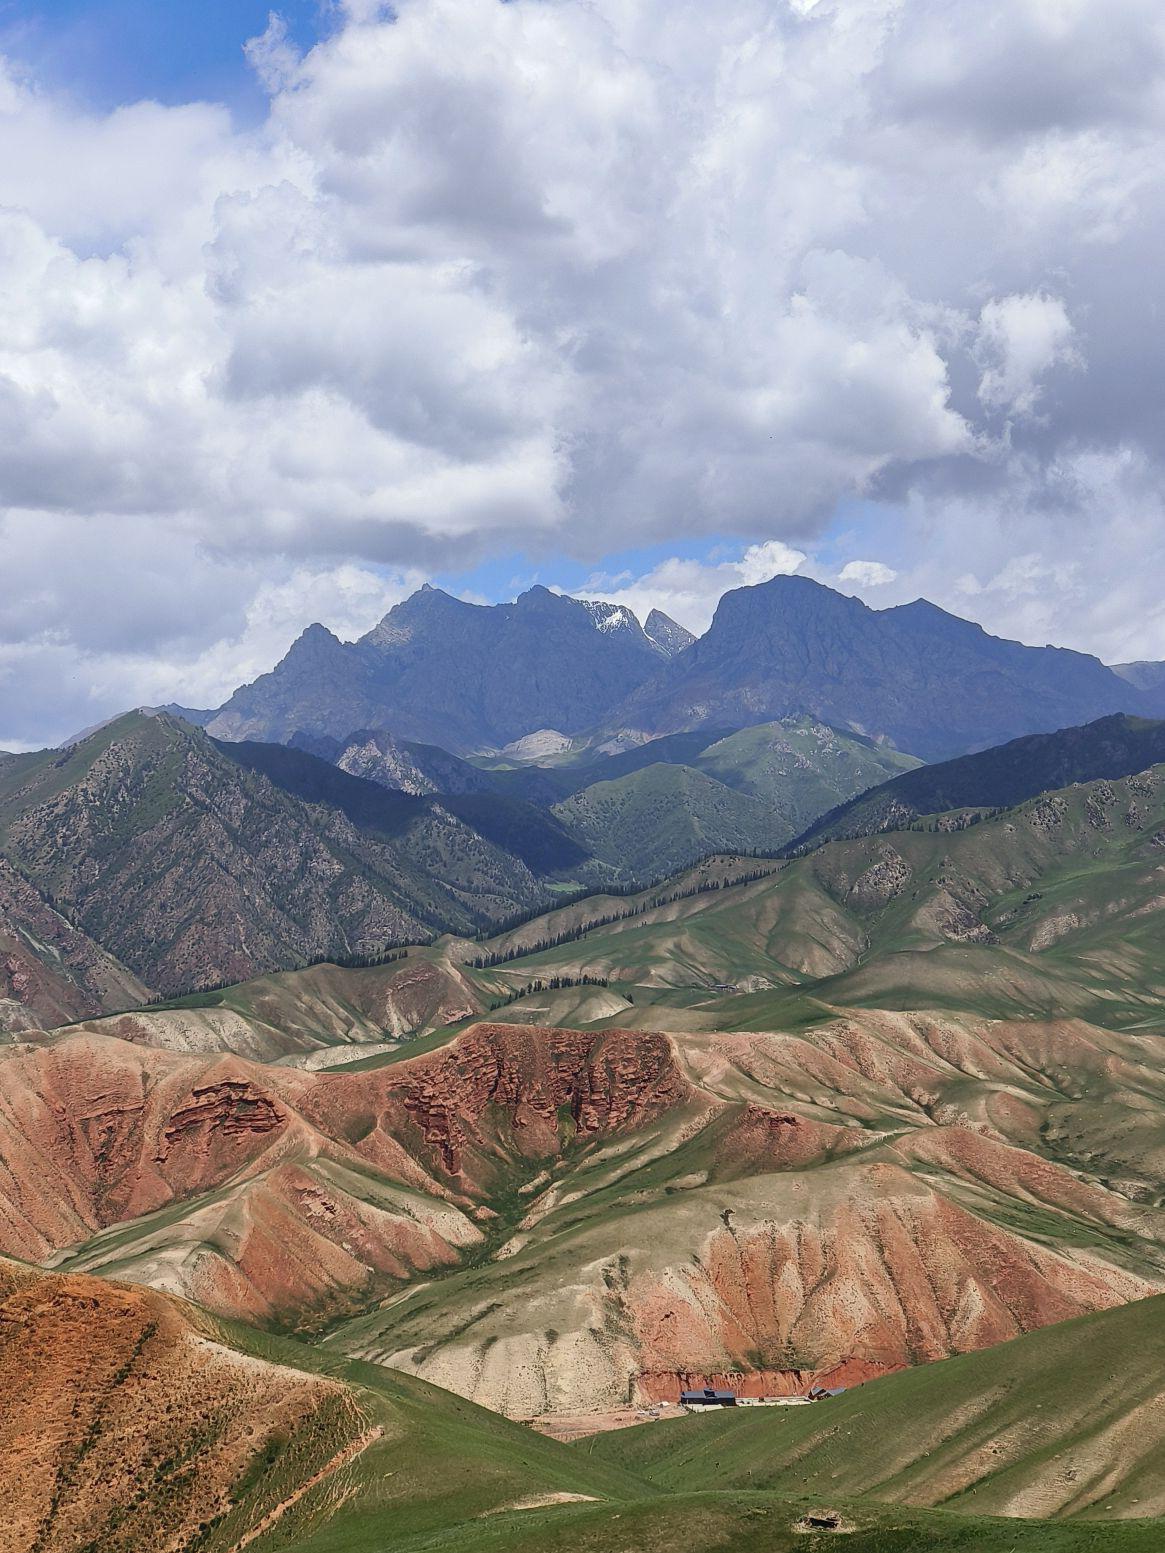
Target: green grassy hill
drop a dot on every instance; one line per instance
(440, 1463)
(798, 764)
(1048, 908)
(1114, 747)
(652, 811)
(663, 817)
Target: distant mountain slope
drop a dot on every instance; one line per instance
(188, 868)
(932, 683)
(399, 763)
(660, 818)
(1051, 908)
(1113, 747)
(667, 633)
(642, 813)
(192, 862)
(1062, 1422)
(463, 676)
(1146, 676)
(50, 971)
(519, 829)
(150, 856)
(796, 764)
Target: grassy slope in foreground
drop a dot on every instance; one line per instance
(729, 1522)
(448, 1476)
(1067, 1421)
(134, 1421)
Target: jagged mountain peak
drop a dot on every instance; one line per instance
(667, 634)
(441, 671)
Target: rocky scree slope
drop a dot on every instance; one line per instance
(50, 971)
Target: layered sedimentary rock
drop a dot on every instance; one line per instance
(614, 1212)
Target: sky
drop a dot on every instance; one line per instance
(643, 299)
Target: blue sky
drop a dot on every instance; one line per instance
(856, 527)
(107, 52)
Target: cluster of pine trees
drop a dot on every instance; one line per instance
(570, 935)
(549, 984)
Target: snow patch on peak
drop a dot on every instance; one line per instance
(611, 617)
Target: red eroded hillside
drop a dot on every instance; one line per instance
(110, 1391)
(676, 1207)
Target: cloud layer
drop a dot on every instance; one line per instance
(562, 278)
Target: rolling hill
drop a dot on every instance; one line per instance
(1049, 908)
(554, 1221)
(661, 818)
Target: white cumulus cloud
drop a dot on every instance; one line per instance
(867, 574)
(569, 278)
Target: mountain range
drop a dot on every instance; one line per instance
(150, 858)
(473, 678)
(460, 675)
(769, 1124)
